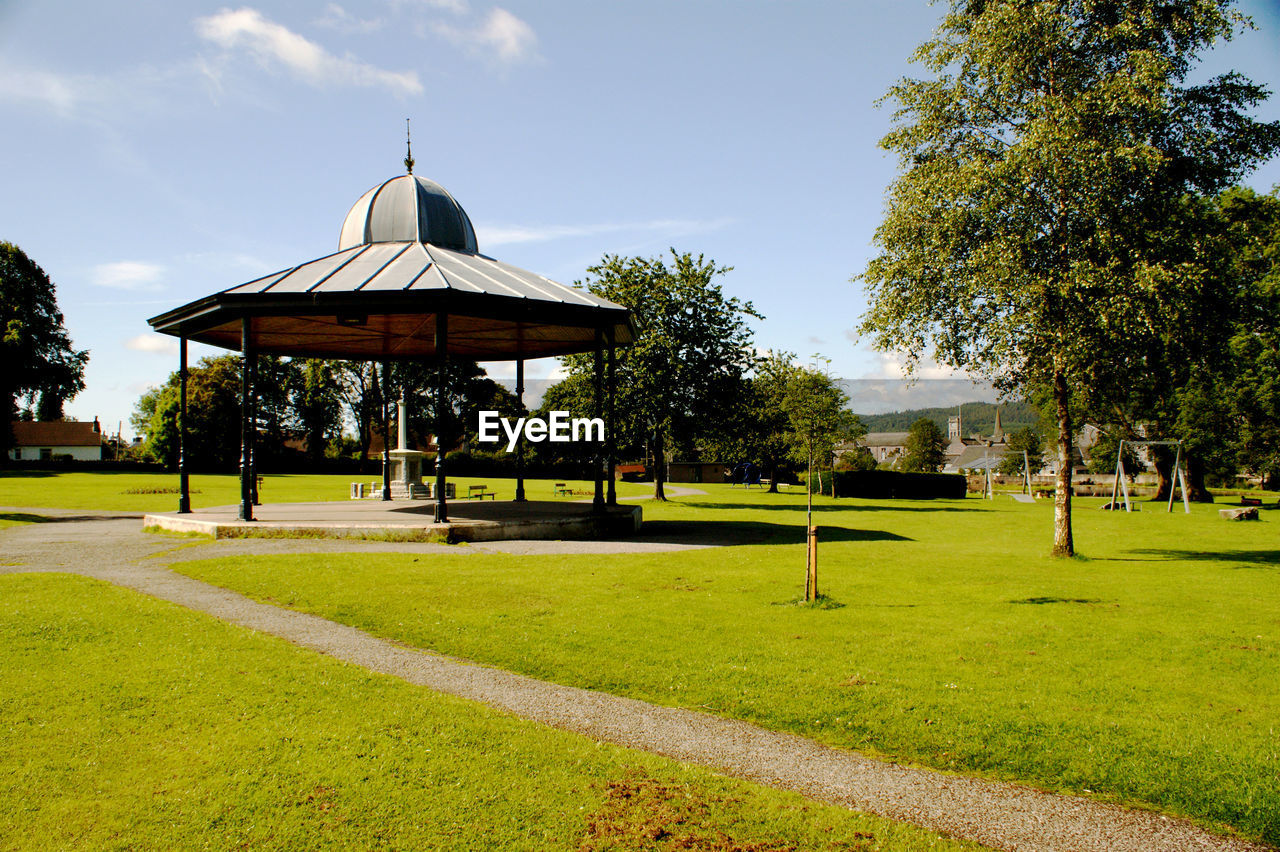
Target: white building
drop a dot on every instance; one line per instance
(47, 441)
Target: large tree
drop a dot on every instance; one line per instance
(316, 404)
(213, 416)
(1253, 386)
(926, 448)
(1014, 462)
(36, 356)
(678, 381)
(760, 409)
(1036, 231)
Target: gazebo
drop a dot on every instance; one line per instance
(407, 282)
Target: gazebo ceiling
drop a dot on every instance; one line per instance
(378, 298)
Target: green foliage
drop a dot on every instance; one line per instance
(764, 429)
(678, 383)
(976, 417)
(1103, 456)
(857, 458)
(317, 405)
(818, 417)
(36, 356)
(213, 416)
(1039, 231)
(1252, 380)
(926, 448)
(1026, 440)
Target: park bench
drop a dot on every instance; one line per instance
(479, 492)
(1250, 501)
(562, 490)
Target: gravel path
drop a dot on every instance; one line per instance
(1003, 816)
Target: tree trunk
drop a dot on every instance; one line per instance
(1062, 542)
(1198, 492)
(1163, 463)
(659, 465)
(810, 580)
(773, 478)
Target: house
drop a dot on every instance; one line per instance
(45, 441)
(884, 446)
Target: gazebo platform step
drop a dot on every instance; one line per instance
(406, 520)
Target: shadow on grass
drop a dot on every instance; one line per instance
(823, 602)
(1252, 558)
(884, 506)
(1049, 600)
(24, 518)
(728, 533)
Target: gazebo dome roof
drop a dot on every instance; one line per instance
(408, 208)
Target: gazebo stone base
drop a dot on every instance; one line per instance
(409, 490)
(362, 519)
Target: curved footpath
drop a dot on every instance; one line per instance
(110, 547)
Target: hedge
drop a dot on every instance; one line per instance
(891, 484)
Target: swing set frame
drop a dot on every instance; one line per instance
(988, 488)
(1179, 482)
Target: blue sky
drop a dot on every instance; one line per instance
(156, 152)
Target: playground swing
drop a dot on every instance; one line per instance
(1121, 487)
(989, 491)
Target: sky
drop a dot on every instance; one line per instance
(156, 152)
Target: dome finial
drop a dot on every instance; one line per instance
(408, 144)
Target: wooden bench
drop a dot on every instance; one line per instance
(479, 492)
(562, 490)
(1250, 501)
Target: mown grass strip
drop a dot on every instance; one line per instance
(157, 492)
(1143, 673)
(133, 723)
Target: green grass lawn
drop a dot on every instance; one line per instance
(134, 723)
(1143, 673)
(158, 492)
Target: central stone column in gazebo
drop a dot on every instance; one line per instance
(406, 464)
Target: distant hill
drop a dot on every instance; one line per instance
(976, 417)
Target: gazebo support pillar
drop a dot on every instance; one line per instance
(246, 432)
(442, 365)
(386, 433)
(184, 483)
(253, 429)
(597, 500)
(520, 498)
(611, 497)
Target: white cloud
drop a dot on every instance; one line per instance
(498, 235)
(128, 275)
(893, 365)
(270, 43)
(152, 343)
(337, 18)
(60, 93)
(457, 7)
(501, 37)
